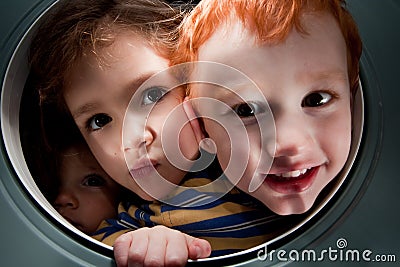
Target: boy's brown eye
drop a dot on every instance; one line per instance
(316, 99)
(94, 180)
(98, 121)
(245, 110)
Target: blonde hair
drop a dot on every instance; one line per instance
(270, 20)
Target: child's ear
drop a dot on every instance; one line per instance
(193, 120)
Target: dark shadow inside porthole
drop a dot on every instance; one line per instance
(23, 138)
(21, 135)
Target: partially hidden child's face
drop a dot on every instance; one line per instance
(305, 81)
(87, 195)
(98, 99)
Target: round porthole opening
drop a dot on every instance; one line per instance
(21, 132)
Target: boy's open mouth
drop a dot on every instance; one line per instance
(292, 182)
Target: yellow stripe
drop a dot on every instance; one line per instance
(198, 183)
(181, 217)
(185, 216)
(236, 243)
(109, 240)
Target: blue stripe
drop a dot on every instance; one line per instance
(235, 226)
(202, 199)
(228, 220)
(114, 227)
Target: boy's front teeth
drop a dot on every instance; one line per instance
(295, 173)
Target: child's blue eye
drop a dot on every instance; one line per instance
(244, 110)
(93, 180)
(98, 121)
(316, 99)
(153, 95)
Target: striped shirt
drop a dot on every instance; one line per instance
(230, 223)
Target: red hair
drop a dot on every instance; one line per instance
(270, 20)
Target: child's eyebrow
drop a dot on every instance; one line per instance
(131, 87)
(86, 108)
(337, 75)
(225, 95)
(234, 91)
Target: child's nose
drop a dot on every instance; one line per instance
(292, 135)
(137, 132)
(148, 136)
(65, 200)
(139, 140)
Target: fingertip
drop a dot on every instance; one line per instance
(199, 249)
(206, 250)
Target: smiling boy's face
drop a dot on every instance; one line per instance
(98, 98)
(305, 81)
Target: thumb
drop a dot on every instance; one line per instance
(197, 248)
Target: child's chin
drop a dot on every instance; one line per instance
(291, 206)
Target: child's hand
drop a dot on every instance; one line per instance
(158, 246)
